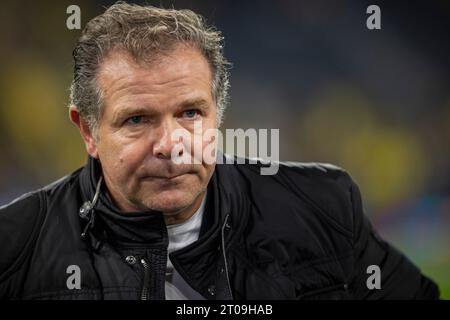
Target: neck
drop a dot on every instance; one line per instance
(186, 213)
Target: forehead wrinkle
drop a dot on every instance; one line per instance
(139, 90)
(143, 80)
(119, 72)
(120, 61)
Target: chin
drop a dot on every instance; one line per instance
(173, 201)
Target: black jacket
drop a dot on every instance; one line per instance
(299, 234)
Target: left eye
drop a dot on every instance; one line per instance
(135, 119)
(190, 113)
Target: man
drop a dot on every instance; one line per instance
(134, 224)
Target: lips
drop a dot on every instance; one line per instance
(171, 177)
(167, 173)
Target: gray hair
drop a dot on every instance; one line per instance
(144, 32)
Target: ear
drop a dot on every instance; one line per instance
(86, 134)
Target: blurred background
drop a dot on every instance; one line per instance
(375, 102)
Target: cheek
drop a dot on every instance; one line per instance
(121, 159)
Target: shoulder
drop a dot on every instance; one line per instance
(325, 189)
(21, 221)
(314, 179)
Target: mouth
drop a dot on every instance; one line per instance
(165, 178)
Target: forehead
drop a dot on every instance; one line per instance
(176, 74)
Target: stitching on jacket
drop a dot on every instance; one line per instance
(335, 224)
(323, 260)
(261, 274)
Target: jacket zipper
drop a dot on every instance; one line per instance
(144, 292)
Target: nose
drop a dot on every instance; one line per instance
(164, 145)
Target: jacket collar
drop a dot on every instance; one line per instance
(226, 196)
(125, 229)
(226, 206)
(198, 262)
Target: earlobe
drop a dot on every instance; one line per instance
(85, 131)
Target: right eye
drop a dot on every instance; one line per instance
(135, 120)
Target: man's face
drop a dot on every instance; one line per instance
(144, 104)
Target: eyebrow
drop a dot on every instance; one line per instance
(198, 103)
